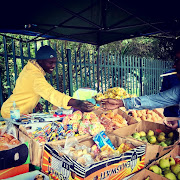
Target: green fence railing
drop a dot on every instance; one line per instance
(136, 75)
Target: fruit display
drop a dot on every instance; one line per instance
(155, 137)
(114, 93)
(145, 114)
(168, 167)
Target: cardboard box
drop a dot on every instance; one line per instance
(24, 138)
(36, 148)
(11, 172)
(173, 153)
(130, 120)
(15, 156)
(29, 176)
(152, 151)
(143, 174)
(64, 167)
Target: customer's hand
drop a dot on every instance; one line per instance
(171, 124)
(83, 106)
(110, 104)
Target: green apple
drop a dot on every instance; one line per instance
(144, 139)
(152, 139)
(172, 161)
(163, 144)
(164, 163)
(155, 169)
(168, 141)
(175, 168)
(162, 133)
(171, 135)
(161, 138)
(136, 135)
(170, 176)
(150, 133)
(142, 133)
(178, 175)
(166, 171)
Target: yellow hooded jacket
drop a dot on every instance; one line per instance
(31, 85)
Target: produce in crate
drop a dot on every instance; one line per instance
(114, 93)
(145, 114)
(156, 137)
(168, 167)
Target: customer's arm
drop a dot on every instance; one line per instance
(160, 100)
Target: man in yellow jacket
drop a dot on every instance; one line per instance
(32, 85)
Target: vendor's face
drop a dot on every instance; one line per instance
(48, 65)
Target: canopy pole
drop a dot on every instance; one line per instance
(98, 74)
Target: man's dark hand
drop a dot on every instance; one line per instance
(110, 104)
(39, 107)
(172, 125)
(83, 106)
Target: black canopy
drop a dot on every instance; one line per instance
(96, 22)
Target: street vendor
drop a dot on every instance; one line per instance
(31, 85)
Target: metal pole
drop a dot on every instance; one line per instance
(98, 74)
(70, 72)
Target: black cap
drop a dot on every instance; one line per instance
(45, 52)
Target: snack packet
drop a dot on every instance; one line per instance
(103, 142)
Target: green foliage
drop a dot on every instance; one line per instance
(148, 47)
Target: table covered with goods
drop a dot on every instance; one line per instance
(114, 144)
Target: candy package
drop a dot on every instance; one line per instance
(103, 142)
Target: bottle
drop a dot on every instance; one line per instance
(14, 112)
(59, 111)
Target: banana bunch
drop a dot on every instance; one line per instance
(113, 93)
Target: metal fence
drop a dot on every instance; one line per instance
(77, 69)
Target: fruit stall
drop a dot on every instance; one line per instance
(69, 144)
(64, 144)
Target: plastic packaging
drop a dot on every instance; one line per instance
(103, 142)
(14, 112)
